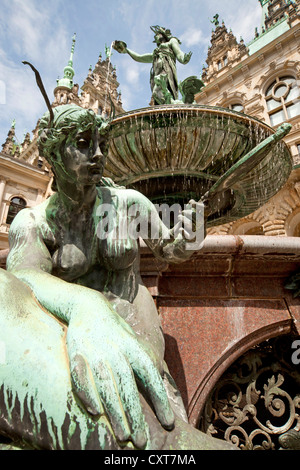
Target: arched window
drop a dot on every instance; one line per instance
(236, 107)
(283, 99)
(254, 403)
(297, 230)
(16, 205)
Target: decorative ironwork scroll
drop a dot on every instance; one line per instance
(256, 403)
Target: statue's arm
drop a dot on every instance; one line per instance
(180, 56)
(105, 355)
(122, 48)
(145, 58)
(30, 261)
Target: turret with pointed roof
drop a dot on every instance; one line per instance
(65, 91)
(100, 88)
(225, 51)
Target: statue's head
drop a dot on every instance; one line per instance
(59, 135)
(67, 121)
(161, 32)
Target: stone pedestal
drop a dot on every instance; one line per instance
(226, 299)
(214, 307)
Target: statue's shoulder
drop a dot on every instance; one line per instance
(124, 195)
(30, 217)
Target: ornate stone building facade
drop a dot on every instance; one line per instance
(262, 79)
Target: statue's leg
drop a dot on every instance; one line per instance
(160, 91)
(37, 406)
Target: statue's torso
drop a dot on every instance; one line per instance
(82, 254)
(86, 245)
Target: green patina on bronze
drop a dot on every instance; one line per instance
(173, 153)
(163, 75)
(81, 330)
(83, 364)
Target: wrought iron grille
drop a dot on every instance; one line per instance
(256, 403)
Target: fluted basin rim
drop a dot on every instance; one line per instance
(176, 152)
(191, 107)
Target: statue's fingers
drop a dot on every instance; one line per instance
(84, 385)
(151, 381)
(117, 388)
(107, 389)
(128, 396)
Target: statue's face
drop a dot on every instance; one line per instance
(83, 157)
(159, 38)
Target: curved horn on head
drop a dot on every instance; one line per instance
(43, 91)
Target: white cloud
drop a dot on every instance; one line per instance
(39, 31)
(244, 25)
(22, 101)
(241, 17)
(28, 34)
(193, 37)
(133, 74)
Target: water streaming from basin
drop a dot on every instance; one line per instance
(174, 153)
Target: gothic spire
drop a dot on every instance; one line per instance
(67, 80)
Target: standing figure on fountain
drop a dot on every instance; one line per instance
(163, 75)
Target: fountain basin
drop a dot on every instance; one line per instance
(174, 153)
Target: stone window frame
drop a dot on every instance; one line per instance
(222, 62)
(281, 79)
(234, 105)
(18, 207)
(230, 101)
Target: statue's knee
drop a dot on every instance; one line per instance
(11, 289)
(5, 282)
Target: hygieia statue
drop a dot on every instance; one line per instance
(83, 351)
(163, 75)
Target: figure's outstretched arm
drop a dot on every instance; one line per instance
(105, 355)
(172, 244)
(180, 56)
(122, 48)
(145, 58)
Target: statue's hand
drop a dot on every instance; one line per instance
(190, 220)
(120, 46)
(187, 57)
(106, 360)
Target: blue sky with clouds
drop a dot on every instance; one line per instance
(40, 31)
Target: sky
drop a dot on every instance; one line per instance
(41, 31)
